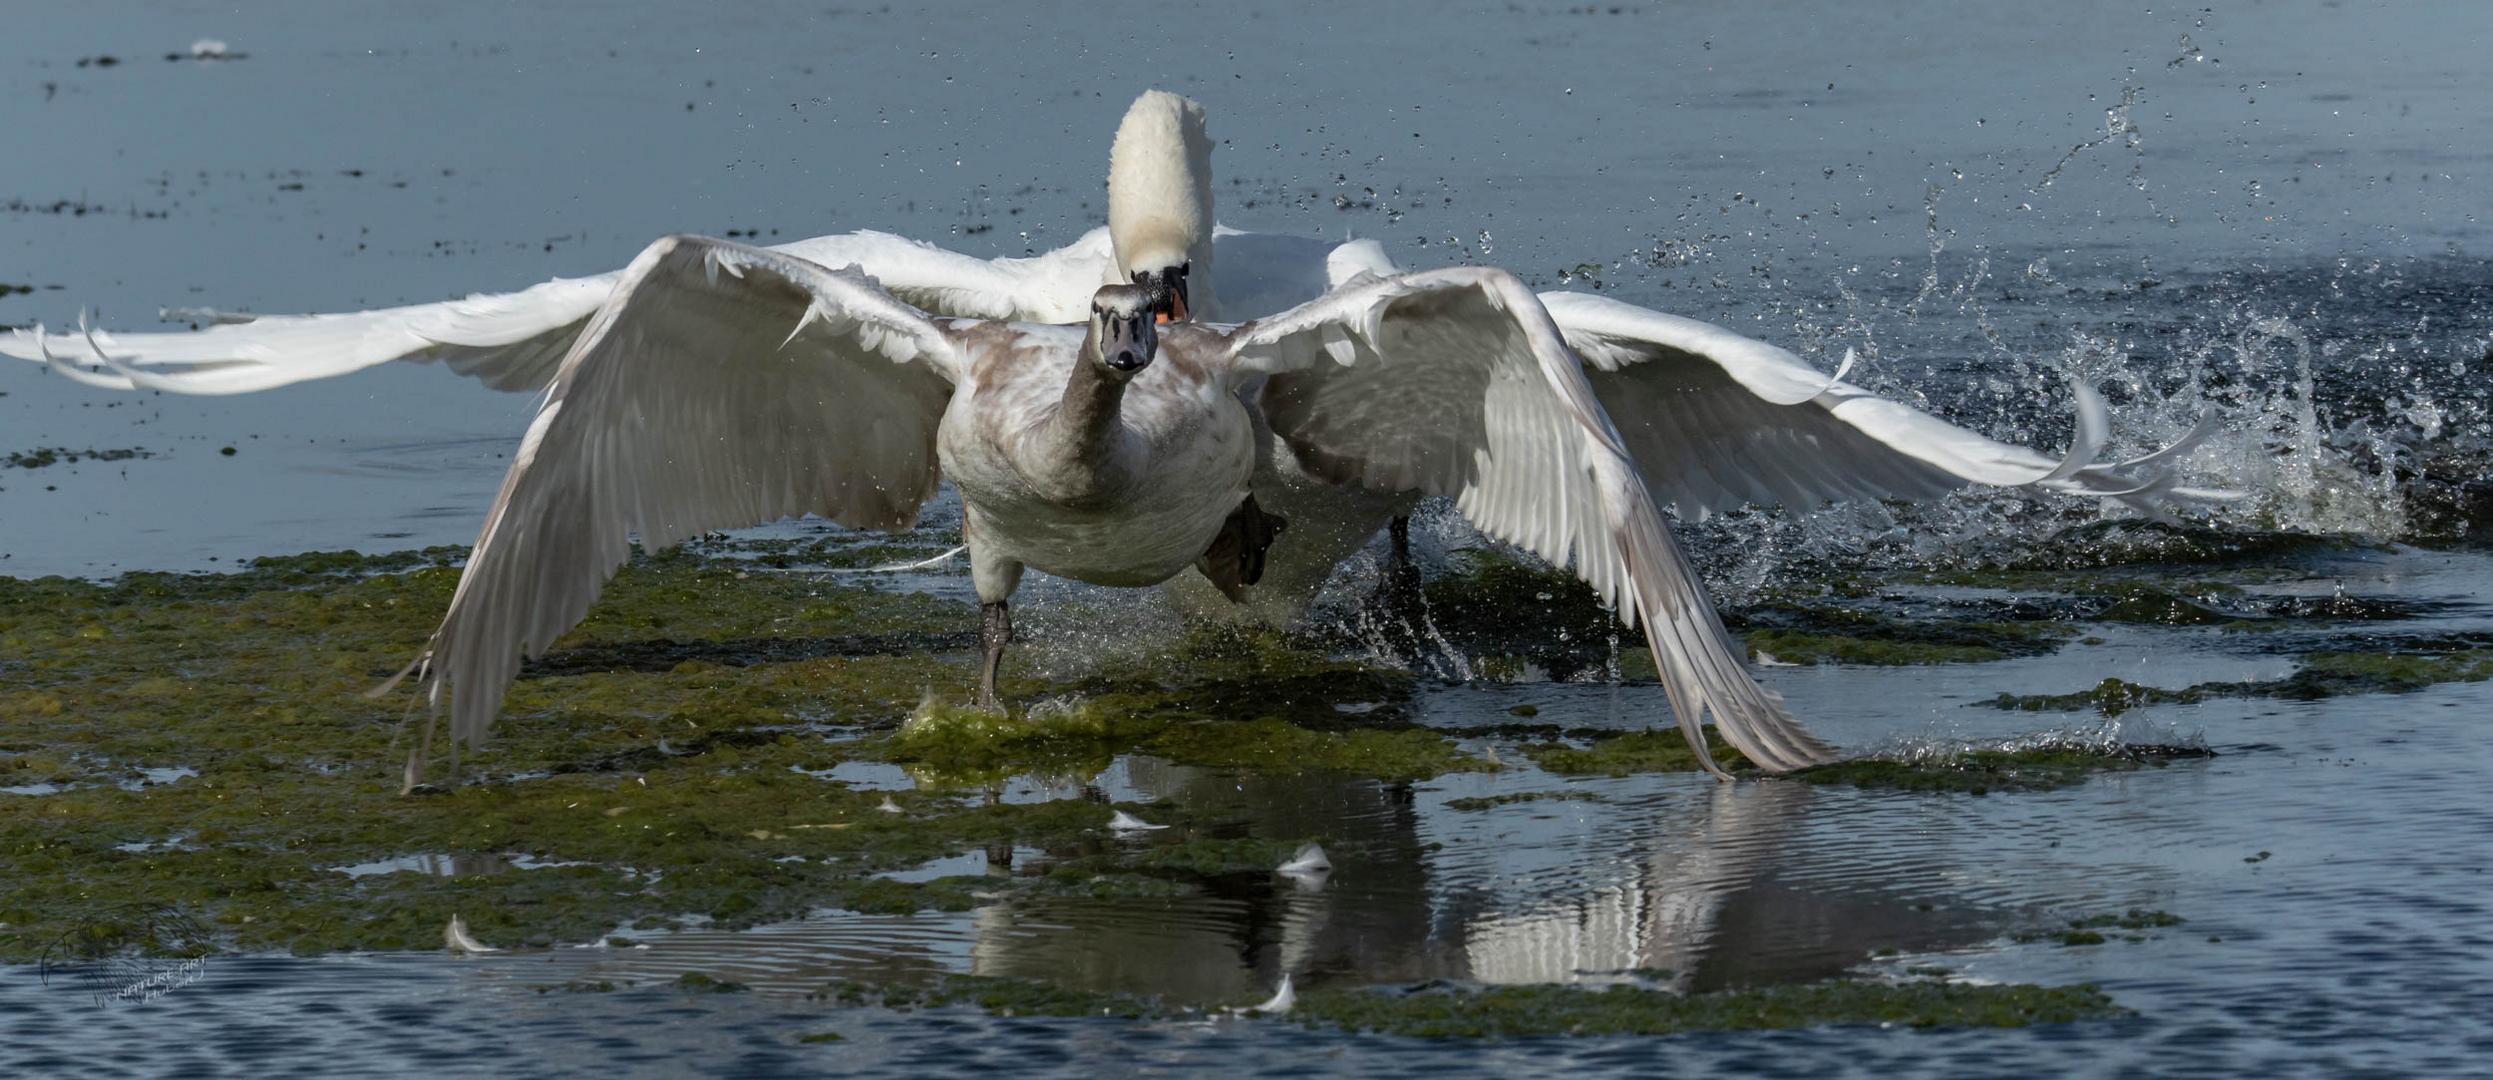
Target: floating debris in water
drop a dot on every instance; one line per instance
(1125, 822)
(43, 457)
(1281, 1001)
(1308, 869)
(1308, 860)
(457, 939)
(918, 564)
(207, 50)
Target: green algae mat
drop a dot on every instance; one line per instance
(192, 765)
(201, 743)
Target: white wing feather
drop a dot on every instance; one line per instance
(510, 341)
(1718, 420)
(514, 341)
(1456, 382)
(719, 386)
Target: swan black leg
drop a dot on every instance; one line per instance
(1398, 611)
(995, 628)
(1401, 587)
(1236, 558)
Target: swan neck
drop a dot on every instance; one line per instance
(1201, 281)
(1087, 422)
(1160, 189)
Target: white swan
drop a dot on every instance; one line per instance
(721, 386)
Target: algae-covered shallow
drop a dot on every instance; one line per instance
(2399, 668)
(734, 781)
(740, 781)
(1511, 1011)
(2054, 760)
(1441, 1010)
(671, 769)
(642, 791)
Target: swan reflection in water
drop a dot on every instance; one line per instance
(1708, 882)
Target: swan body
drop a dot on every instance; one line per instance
(1136, 508)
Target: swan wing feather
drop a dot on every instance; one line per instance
(1456, 382)
(718, 386)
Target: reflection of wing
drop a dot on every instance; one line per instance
(719, 386)
(514, 341)
(1716, 420)
(1455, 382)
(1666, 914)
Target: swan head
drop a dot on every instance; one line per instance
(1160, 200)
(1125, 335)
(1168, 290)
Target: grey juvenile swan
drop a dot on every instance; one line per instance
(722, 385)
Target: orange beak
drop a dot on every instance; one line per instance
(1168, 287)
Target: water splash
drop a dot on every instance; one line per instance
(2109, 737)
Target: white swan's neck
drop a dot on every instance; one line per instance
(1160, 193)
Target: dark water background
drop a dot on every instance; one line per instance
(2270, 208)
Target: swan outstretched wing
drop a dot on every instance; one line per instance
(515, 341)
(509, 341)
(1717, 420)
(1456, 382)
(717, 386)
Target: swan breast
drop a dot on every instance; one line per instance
(1182, 459)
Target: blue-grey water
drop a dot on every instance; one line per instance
(2271, 208)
